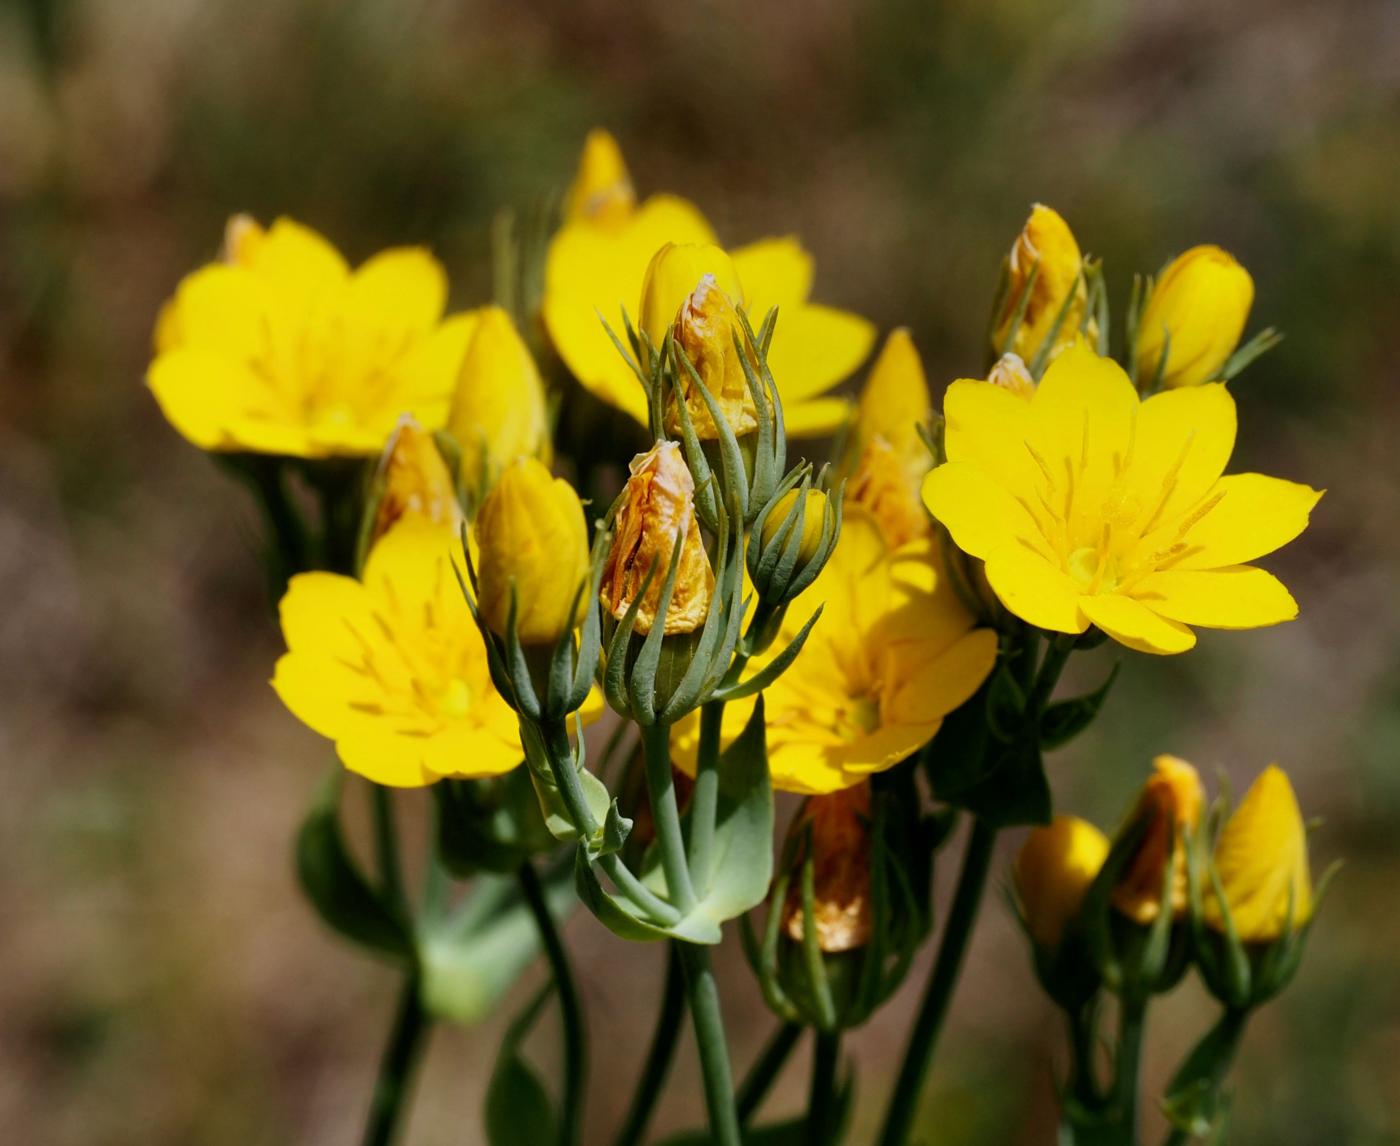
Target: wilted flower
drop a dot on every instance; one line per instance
(532, 542)
(893, 653)
(1010, 373)
(413, 481)
(597, 262)
(602, 190)
(1053, 871)
(1092, 506)
(656, 507)
(1261, 858)
(392, 668)
(498, 411)
(1170, 804)
(837, 828)
(281, 349)
(1045, 246)
(892, 458)
(1200, 303)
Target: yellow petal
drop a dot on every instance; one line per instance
(815, 417)
(979, 513)
(297, 257)
(943, 682)
(387, 758)
(218, 309)
(325, 694)
(988, 427)
(426, 377)
(205, 396)
(895, 401)
(471, 752)
(1053, 871)
(1035, 590)
(1083, 415)
(814, 348)
(1133, 624)
(602, 190)
(1184, 441)
(1236, 597)
(775, 272)
(1257, 515)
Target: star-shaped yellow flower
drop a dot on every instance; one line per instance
(596, 265)
(1093, 507)
(280, 348)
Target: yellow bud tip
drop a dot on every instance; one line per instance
(1052, 874)
(1201, 302)
(1047, 247)
(602, 189)
(242, 235)
(838, 827)
(674, 274)
(814, 509)
(657, 506)
(415, 480)
(531, 539)
(1010, 373)
(1171, 802)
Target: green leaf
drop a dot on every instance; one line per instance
(1065, 720)
(518, 1107)
(332, 880)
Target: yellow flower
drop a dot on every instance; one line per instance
(816, 508)
(892, 458)
(596, 264)
(415, 480)
(282, 349)
(602, 190)
(1091, 506)
(392, 668)
(893, 653)
(839, 826)
(498, 412)
(1171, 803)
(1052, 874)
(531, 539)
(658, 505)
(1047, 245)
(1201, 301)
(692, 288)
(1262, 859)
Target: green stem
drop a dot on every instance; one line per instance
(666, 817)
(1053, 663)
(709, 1037)
(934, 1007)
(704, 801)
(754, 1089)
(575, 1035)
(660, 1054)
(386, 845)
(1128, 1064)
(1083, 1030)
(1209, 1061)
(821, 1100)
(396, 1068)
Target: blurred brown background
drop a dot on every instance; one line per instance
(160, 981)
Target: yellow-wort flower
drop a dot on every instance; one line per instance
(598, 259)
(414, 481)
(1091, 506)
(893, 653)
(658, 505)
(1201, 303)
(1262, 860)
(280, 348)
(1170, 804)
(1046, 246)
(1052, 874)
(532, 542)
(891, 457)
(498, 412)
(692, 289)
(602, 189)
(837, 827)
(392, 668)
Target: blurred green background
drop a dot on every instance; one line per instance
(160, 980)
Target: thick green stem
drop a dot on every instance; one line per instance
(704, 801)
(571, 1011)
(765, 1070)
(1053, 663)
(709, 1037)
(821, 1098)
(660, 1054)
(1132, 1020)
(666, 817)
(396, 1068)
(1083, 1032)
(934, 1007)
(386, 843)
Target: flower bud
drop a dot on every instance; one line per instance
(413, 479)
(1261, 859)
(498, 411)
(532, 542)
(674, 274)
(1201, 303)
(837, 829)
(657, 506)
(811, 520)
(1045, 246)
(1010, 373)
(1052, 873)
(792, 538)
(1170, 803)
(242, 235)
(602, 190)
